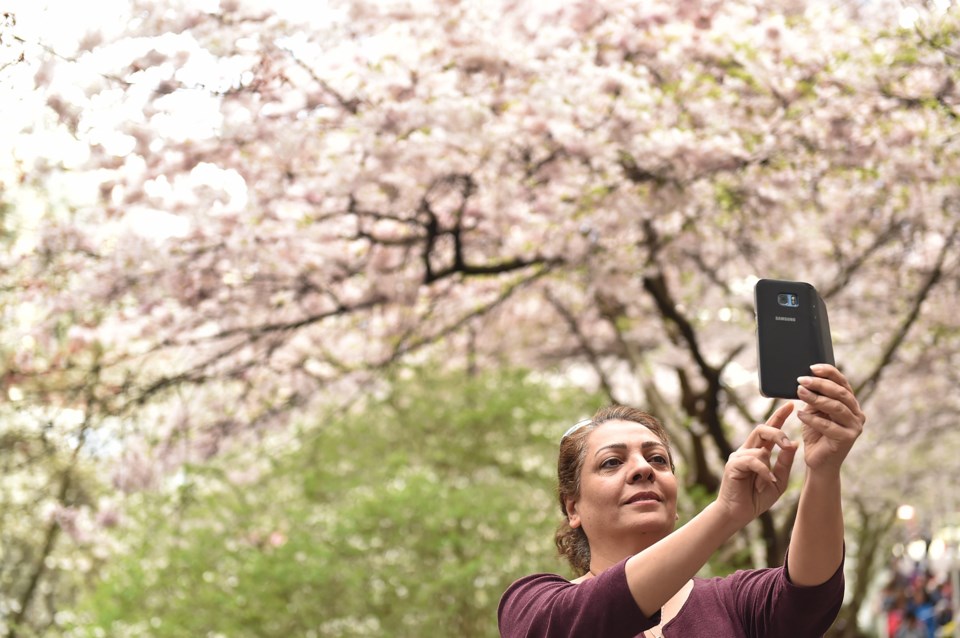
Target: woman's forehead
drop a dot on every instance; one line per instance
(621, 432)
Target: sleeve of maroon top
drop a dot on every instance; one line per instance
(772, 606)
(548, 606)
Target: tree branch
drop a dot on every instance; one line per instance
(709, 410)
(508, 292)
(851, 267)
(581, 338)
(869, 385)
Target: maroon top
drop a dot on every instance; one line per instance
(759, 603)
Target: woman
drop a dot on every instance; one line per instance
(618, 493)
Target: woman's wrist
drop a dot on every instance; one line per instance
(725, 519)
(823, 477)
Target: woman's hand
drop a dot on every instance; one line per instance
(832, 419)
(750, 486)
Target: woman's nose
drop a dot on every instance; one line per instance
(641, 471)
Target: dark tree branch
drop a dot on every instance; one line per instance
(706, 405)
(257, 331)
(39, 568)
(432, 227)
(869, 385)
(485, 270)
(851, 267)
(911, 102)
(434, 231)
(351, 105)
(638, 175)
(465, 319)
(52, 532)
(584, 343)
(532, 168)
(667, 413)
(693, 405)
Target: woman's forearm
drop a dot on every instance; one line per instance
(658, 572)
(749, 487)
(816, 546)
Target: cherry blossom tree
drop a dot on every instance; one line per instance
(245, 212)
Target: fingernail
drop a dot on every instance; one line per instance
(804, 380)
(816, 367)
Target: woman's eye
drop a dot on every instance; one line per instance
(610, 463)
(658, 459)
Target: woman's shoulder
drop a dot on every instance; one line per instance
(764, 602)
(526, 599)
(544, 603)
(745, 582)
(538, 581)
(733, 590)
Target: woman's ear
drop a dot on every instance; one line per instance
(573, 517)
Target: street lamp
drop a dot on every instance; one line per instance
(906, 512)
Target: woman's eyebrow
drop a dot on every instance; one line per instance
(623, 446)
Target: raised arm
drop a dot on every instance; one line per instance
(832, 421)
(749, 488)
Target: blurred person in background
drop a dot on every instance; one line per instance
(911, 627)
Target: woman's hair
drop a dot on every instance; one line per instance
(572, 543)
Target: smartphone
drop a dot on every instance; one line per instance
(793, 333)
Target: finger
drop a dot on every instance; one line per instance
(767, 436)
(829, 428)
(830, 390)
(753, 462)
(776, 421)
(778, 418)
(825, 385)
(781, 470)
(764, 475)
(834, 408)
(827, 371)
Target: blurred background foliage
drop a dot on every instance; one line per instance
(406, 514)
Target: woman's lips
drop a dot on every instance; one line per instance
(643, 497)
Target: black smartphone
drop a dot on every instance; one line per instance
(793, 333)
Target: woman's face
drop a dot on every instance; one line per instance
(626, 485)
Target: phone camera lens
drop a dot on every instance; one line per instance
(788, 300)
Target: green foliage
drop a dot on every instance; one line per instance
(408, 515)
(48, 500)
(728, 198)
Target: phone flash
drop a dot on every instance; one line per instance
(789, 300)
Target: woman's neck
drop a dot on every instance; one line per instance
(605, 556)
